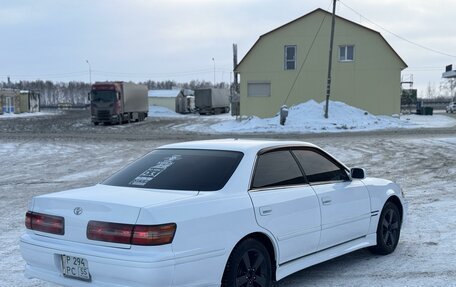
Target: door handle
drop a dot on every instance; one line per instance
(326, 200)
(265, 210)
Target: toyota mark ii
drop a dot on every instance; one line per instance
(211, 213)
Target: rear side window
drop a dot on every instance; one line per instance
(318, 168)
(277, 168)
(179, 169)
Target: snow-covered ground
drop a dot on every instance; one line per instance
(425, 168)
(29, 115)
(306, 118)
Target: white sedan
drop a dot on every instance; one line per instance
(211, 213)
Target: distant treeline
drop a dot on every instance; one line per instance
(438, 99)
(53, 93)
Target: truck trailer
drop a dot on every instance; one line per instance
(118, 102)
(212, 101)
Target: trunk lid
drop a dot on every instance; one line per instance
(101, 203)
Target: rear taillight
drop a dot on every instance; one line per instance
(110, 232)
(131, 234)
(153, 234)
(45, 223)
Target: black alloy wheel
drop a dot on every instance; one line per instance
(249, 265)
(388, 230)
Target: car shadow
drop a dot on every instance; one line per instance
(330, 272)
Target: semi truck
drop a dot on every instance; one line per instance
(118, 102)
(212, 101)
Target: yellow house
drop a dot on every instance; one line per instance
(289, 65)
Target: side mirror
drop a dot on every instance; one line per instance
(358, 173)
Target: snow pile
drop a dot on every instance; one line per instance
(435, 121)
(309, 117)
(159, 111)
(28, 115)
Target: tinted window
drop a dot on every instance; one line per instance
(276, 169)
(173, 169)
(318, 168)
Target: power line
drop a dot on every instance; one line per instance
(396, 35)
(148, 74)
(305, 59)
(424, 69)
(67, 74)
(101, 73)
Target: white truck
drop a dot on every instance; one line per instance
(212, 101)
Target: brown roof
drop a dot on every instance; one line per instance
(324, 11)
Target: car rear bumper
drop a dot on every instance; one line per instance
(107, 266)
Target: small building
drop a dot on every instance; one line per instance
(177, 100)
(16, 101)
(30, 101)
(288, 66)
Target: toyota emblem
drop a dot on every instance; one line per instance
(77, 211)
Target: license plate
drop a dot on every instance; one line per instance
(75, 267)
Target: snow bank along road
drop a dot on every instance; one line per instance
(425, 166)
(172, 126)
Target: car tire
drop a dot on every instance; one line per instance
(248, 265)
(388, 230)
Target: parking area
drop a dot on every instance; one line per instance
(35, 163)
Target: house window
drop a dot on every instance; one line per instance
(290, 57)
(262, 89)
(346, 53)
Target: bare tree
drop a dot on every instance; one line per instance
(447, 88)
(431, 91)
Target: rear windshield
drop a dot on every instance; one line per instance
(179, 169)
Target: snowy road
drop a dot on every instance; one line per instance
(426, 169)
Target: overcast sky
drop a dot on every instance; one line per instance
(177, 39)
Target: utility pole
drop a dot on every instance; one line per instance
(331, 42)
(234, 98)
(90, 72)
(235, 63)
(213, 60)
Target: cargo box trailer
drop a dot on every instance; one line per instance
(212, 101)
(118, 102)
